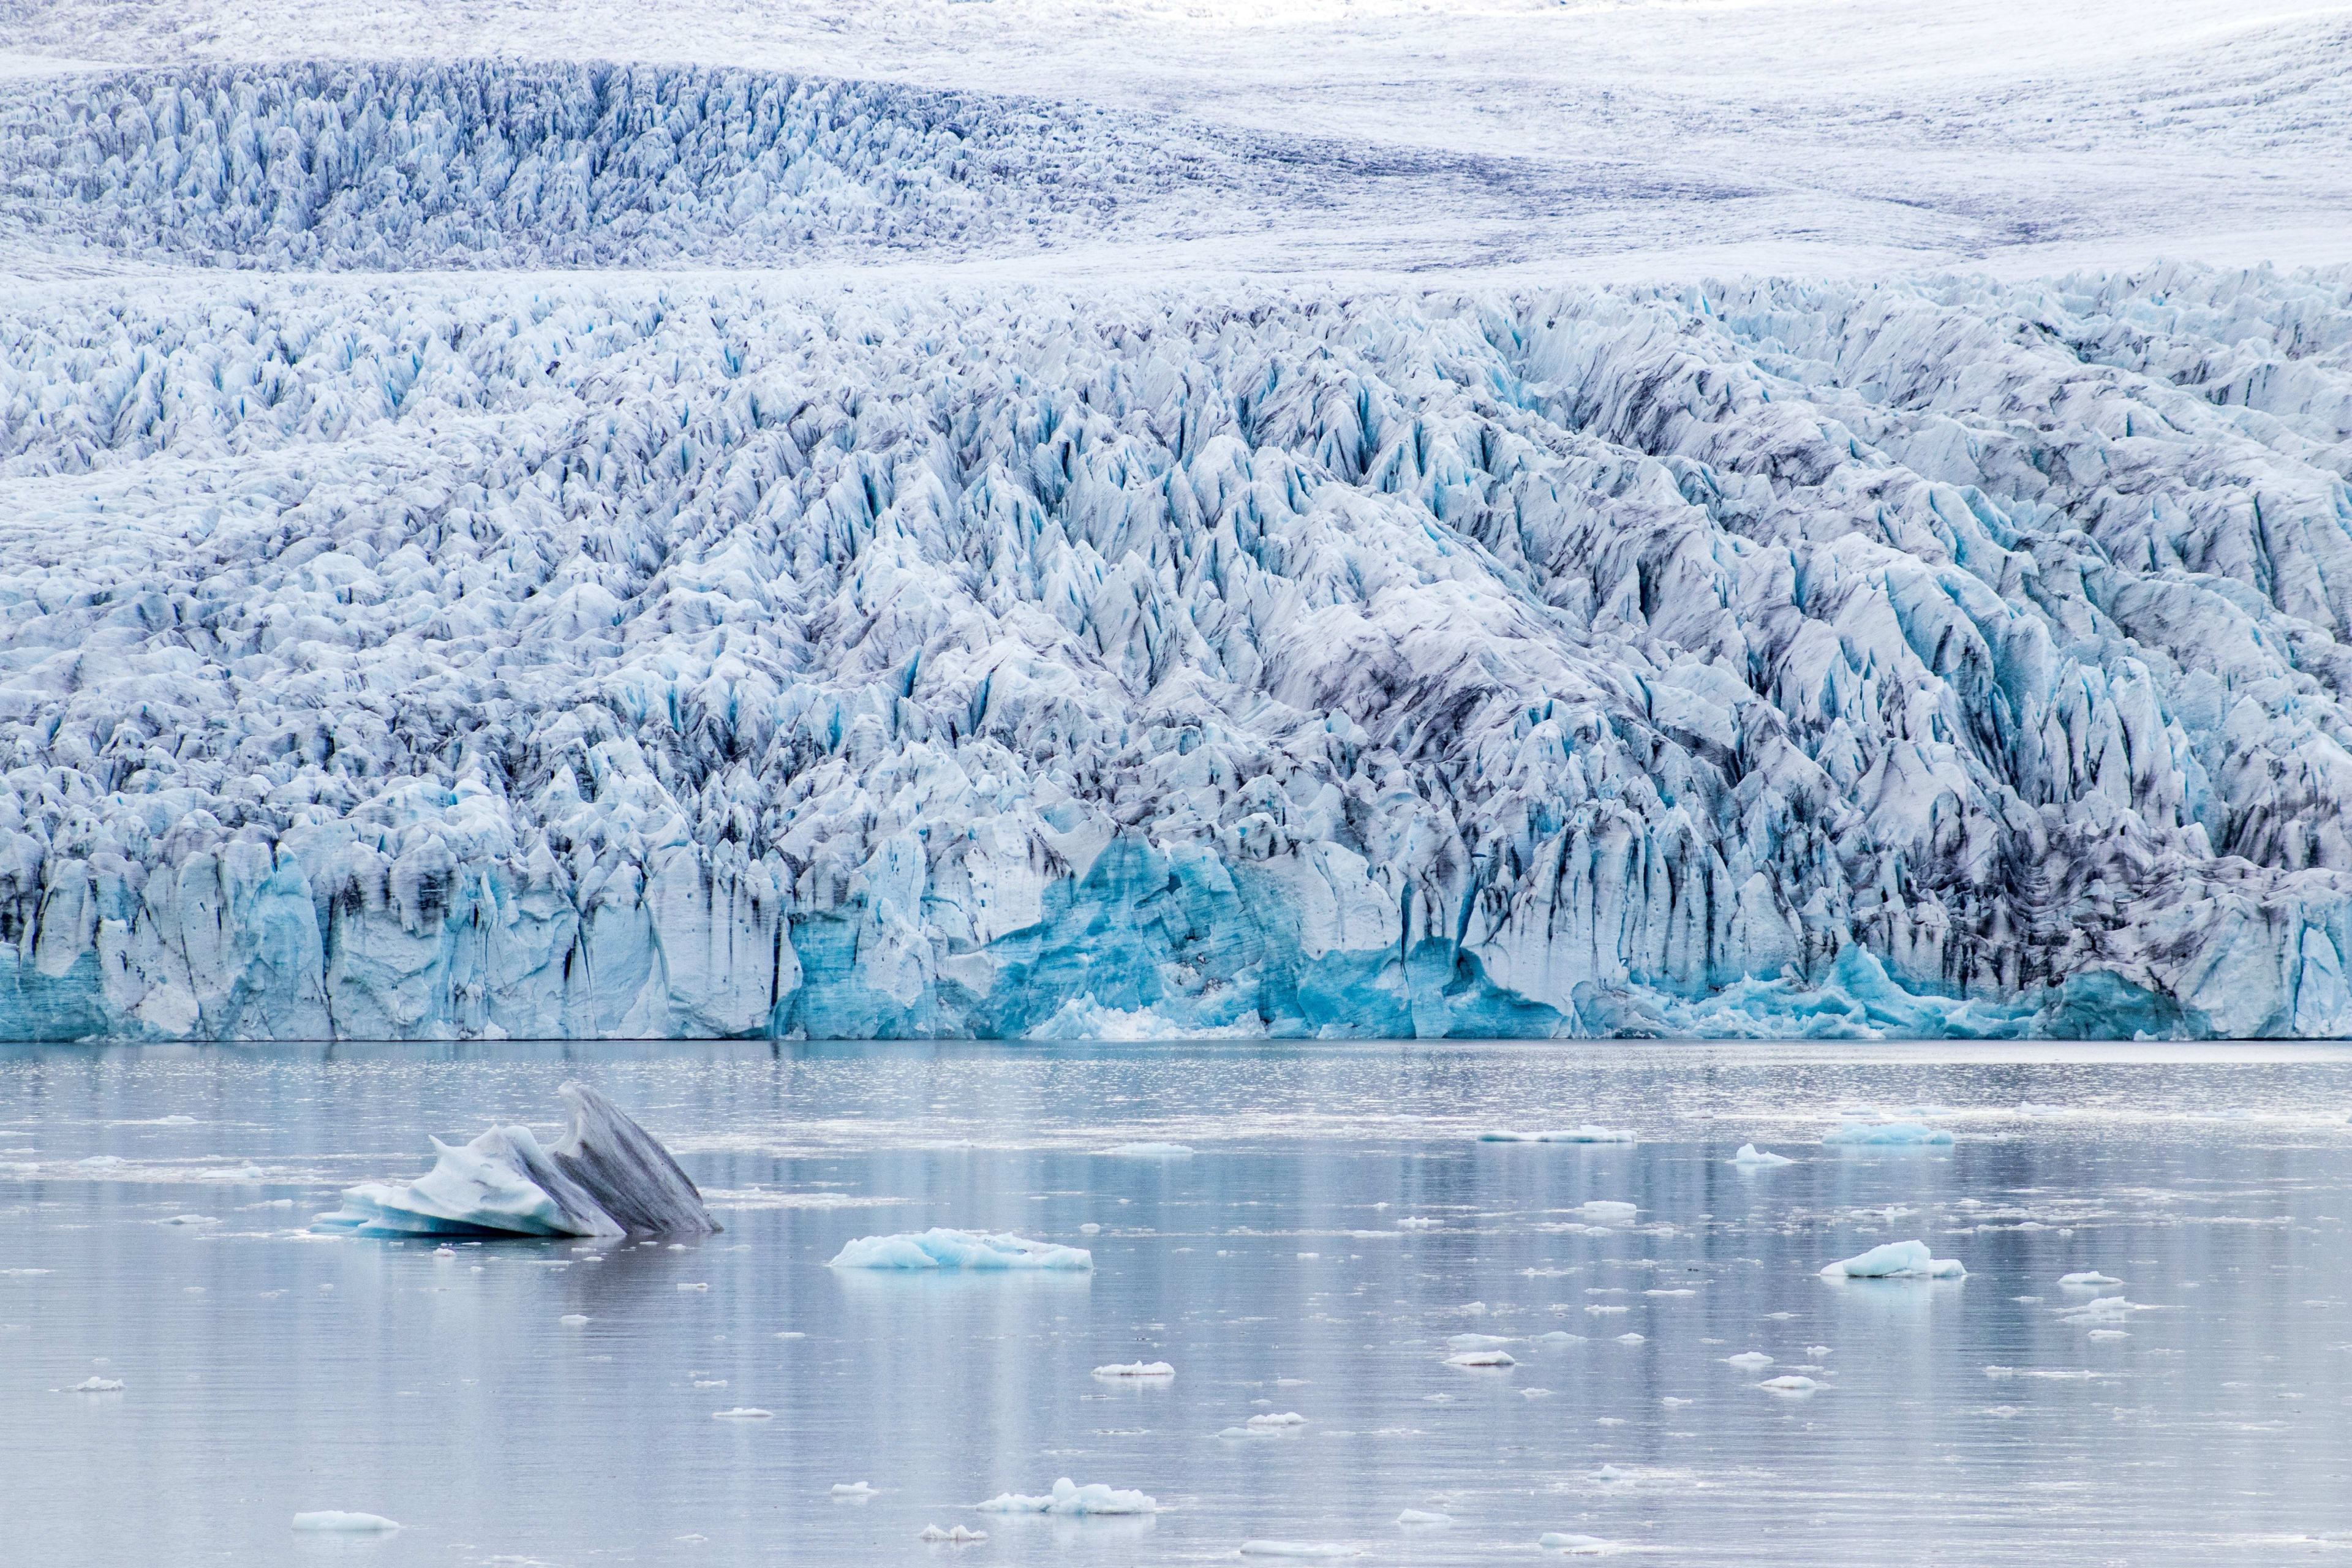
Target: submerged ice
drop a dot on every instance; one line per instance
(606, 1177)
(644, 657)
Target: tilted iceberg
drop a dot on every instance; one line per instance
(607, 1176)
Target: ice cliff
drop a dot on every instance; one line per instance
(551, 654)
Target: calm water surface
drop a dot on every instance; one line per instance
(1339, 1220)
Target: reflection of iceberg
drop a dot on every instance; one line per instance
(943, 1248)
(606, 1177)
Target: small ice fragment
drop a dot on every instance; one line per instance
(1751, 1155)
(1311, 1255)
(1559, 1337)
(943, 1248)
(1792, 1383)
(1418, 1223)
(1068, 1498)
(852, 1489)
(1819, 1349)
(1413, 1516)
(573, 1319)
(1146, 1369)
(1892, 1132)
(1476, 1342)
(684, 1285)
(102, 1162)
(1609, 1209)
(791, 1334)
(1574, 1545)
(961, 1535)
(173, 1121)
(1632, 1339)
(710, 1382)
(1587, 1133)
(2111, 1333)
(1895, 1260)
(1297, 1549)
(1287, 1418)
(1149, 1151)
(335, 1518)
(1671, 1402)
(1750, 1361)
(1535, 1394)
(743, 1413)
(192, 1220)
(2091, 1281)
(452, 1252)
(1481, 1358)
(1090, 1228)
(98, 1385)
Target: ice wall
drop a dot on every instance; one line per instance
(707, 655)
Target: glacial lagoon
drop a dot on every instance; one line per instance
(1340, 1227)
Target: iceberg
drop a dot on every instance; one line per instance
(606, 1177)
(1487, 1357)
(978, 1251)
(336, 1519)
(1751, 1155)
(2091, 1279)
(1895, 1260)
(1068, 1498)
(1897, 1133)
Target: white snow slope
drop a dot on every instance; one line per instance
(942, 595)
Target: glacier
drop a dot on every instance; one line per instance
(606, 1177)
(403, 637)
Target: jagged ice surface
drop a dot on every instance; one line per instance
(726, 657)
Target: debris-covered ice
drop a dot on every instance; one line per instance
(1895, 1260)
(942, 1248)
(606, 1177)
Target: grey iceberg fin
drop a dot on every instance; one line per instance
(624, 1170)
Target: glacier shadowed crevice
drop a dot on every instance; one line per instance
(735, 657)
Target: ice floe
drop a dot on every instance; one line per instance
(959, 1535)
(967, 1249)
(1891, 1134)
(606, 1177)
(331, 1520)
(1067, 1496)
(1895, 1261)
(1490, 1358)
(1791, 1383)
(1418, 1516)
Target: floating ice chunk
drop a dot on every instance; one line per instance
(1297, 1549)
(1417, 1222)
(337, 1519)
(961, 1535)
(1892, 1132)
(1608, 1209)
(193, 1219)
(1535, 1394)
(694, 1284)
(2110, 1333)
(1559, 1337)
(1149, 1151)
(573, 1319)
(1671, 1402)
(853, 1489)
(2091, 1279)
(607, 1176)
(1751, 1155)
(1090, 1228)
(1477, 1341)
(1415, 1516)
(1793, 1383)
(1750, 1361)
(1632, 1339)
(103, 1162)
(1068, 1498)
(1153, 1370)
(1482, 1359)
(1286, 1419)
(1589, 1134)
(98, 1385)
(942, 1248)
(2101, 1309)
(743, 1413)
(1574, 1545)
(1895, 1260)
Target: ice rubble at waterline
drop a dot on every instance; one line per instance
(656, 658)
(606, 1177)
